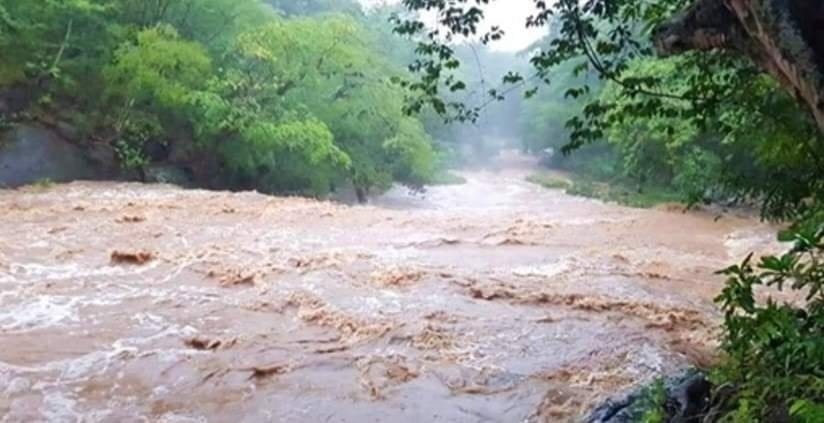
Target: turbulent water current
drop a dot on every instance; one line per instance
(492, 301)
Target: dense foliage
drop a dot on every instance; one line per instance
(312, 7)
(775, 350)
(243, 93)
(760, 147)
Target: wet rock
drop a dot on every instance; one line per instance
(691, 397)
(30, 154)
(168, 174)
(687, 399)
(344, 192)
(103, 153)
(68, 131)
(15, 99)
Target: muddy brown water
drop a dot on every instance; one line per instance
(493, 301)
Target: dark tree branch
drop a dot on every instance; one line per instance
(783, 38)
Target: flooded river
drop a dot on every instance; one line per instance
(493, 301)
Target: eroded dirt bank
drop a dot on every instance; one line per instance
(495, 301)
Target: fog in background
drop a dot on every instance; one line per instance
(500, 123)
(510, 15)
(482, 68)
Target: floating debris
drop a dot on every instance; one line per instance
(135, 258)
(130, 219)
(207, 344)
(266, 372)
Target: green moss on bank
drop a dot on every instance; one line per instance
(613, 191)
(550, 181)
(447, 178)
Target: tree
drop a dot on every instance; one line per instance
(313, 7)
(607, 39)
(326, 65)
(610, 34)
(147, 83)
(241, 94)
(783, 38)
(40, 40)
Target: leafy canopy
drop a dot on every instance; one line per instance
(278, 96)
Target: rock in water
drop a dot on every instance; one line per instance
(168, 174)
(623, 410)
(687, 399)
(30, 154)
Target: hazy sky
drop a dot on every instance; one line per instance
(508, 14)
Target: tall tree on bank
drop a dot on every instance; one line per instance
(783, 38)
(238, 94)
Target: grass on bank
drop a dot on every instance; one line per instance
(550, 181)
(447, 178)
(42, 184)
(614, 191)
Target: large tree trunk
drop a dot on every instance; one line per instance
(783, 37)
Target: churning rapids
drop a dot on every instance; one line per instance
(493, 301)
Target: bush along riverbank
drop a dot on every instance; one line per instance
(202, 87)
(616, 191)
(681, 398)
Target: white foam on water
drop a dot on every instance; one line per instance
(15, 386)
(177, 418)
(548, 270)
(759, 240)
(149, 320)
(73, 271)
(45, 311)
(97, 363)
(593, 220)
(40, 312)
(92, 364)
(58, 408)
(646, 361)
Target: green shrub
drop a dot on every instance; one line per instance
(549, 181)
(653, 400)
(623, 193)
(447, 178)
(696, 174)
(775, 349)
(43, 183)
(251, 98)
(138, 131)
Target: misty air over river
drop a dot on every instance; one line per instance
(497, 300)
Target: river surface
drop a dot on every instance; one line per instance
(493, 301)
